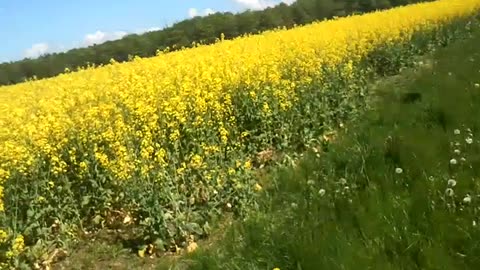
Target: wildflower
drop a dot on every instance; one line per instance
(258, 187)
(276, 268)
(398, 170)
(477, 85)
(192, 247)
(451, 182)
(449, 192)
(229, 205)
(3, 236)
(456, 132)
(321, 192)
(196, 161)
(453, 161)
(469, 140)
(343, 181)
(83, 165)
(467, 199)
(18, 245)
(457, 151)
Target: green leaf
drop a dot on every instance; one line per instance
(194, 227)
(159, 244)
(97, 219)
(85, 200)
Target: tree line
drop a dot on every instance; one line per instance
(184, 33)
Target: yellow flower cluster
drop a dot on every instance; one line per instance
(132, 118)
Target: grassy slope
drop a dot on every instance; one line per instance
(369, 217)
(374, 218)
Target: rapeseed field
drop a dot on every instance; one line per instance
(164, 144)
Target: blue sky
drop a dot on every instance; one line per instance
(29, 28)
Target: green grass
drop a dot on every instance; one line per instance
(369, 217)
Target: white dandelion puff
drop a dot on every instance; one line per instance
(457, 151)
(451, 182)
(321, 192)
(449, 192)
(453, 161)
(467, 199)
(469, 140)
(456, 132)
(343, 181)
(398, 170)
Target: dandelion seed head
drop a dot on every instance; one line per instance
(457, 151)
(453, 161)
(467, 199)
(456, 132)
(398, 170)
(451, 182)
(469, 140)
(321, 192)
(449, 192)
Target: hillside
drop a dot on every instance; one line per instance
(154, 155)
(182, 34)
(385, 194)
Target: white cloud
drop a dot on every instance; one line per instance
(152, 29)
(261, 4)
(36, 50)
(208, 11)
(193, 12)
(100, 37)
